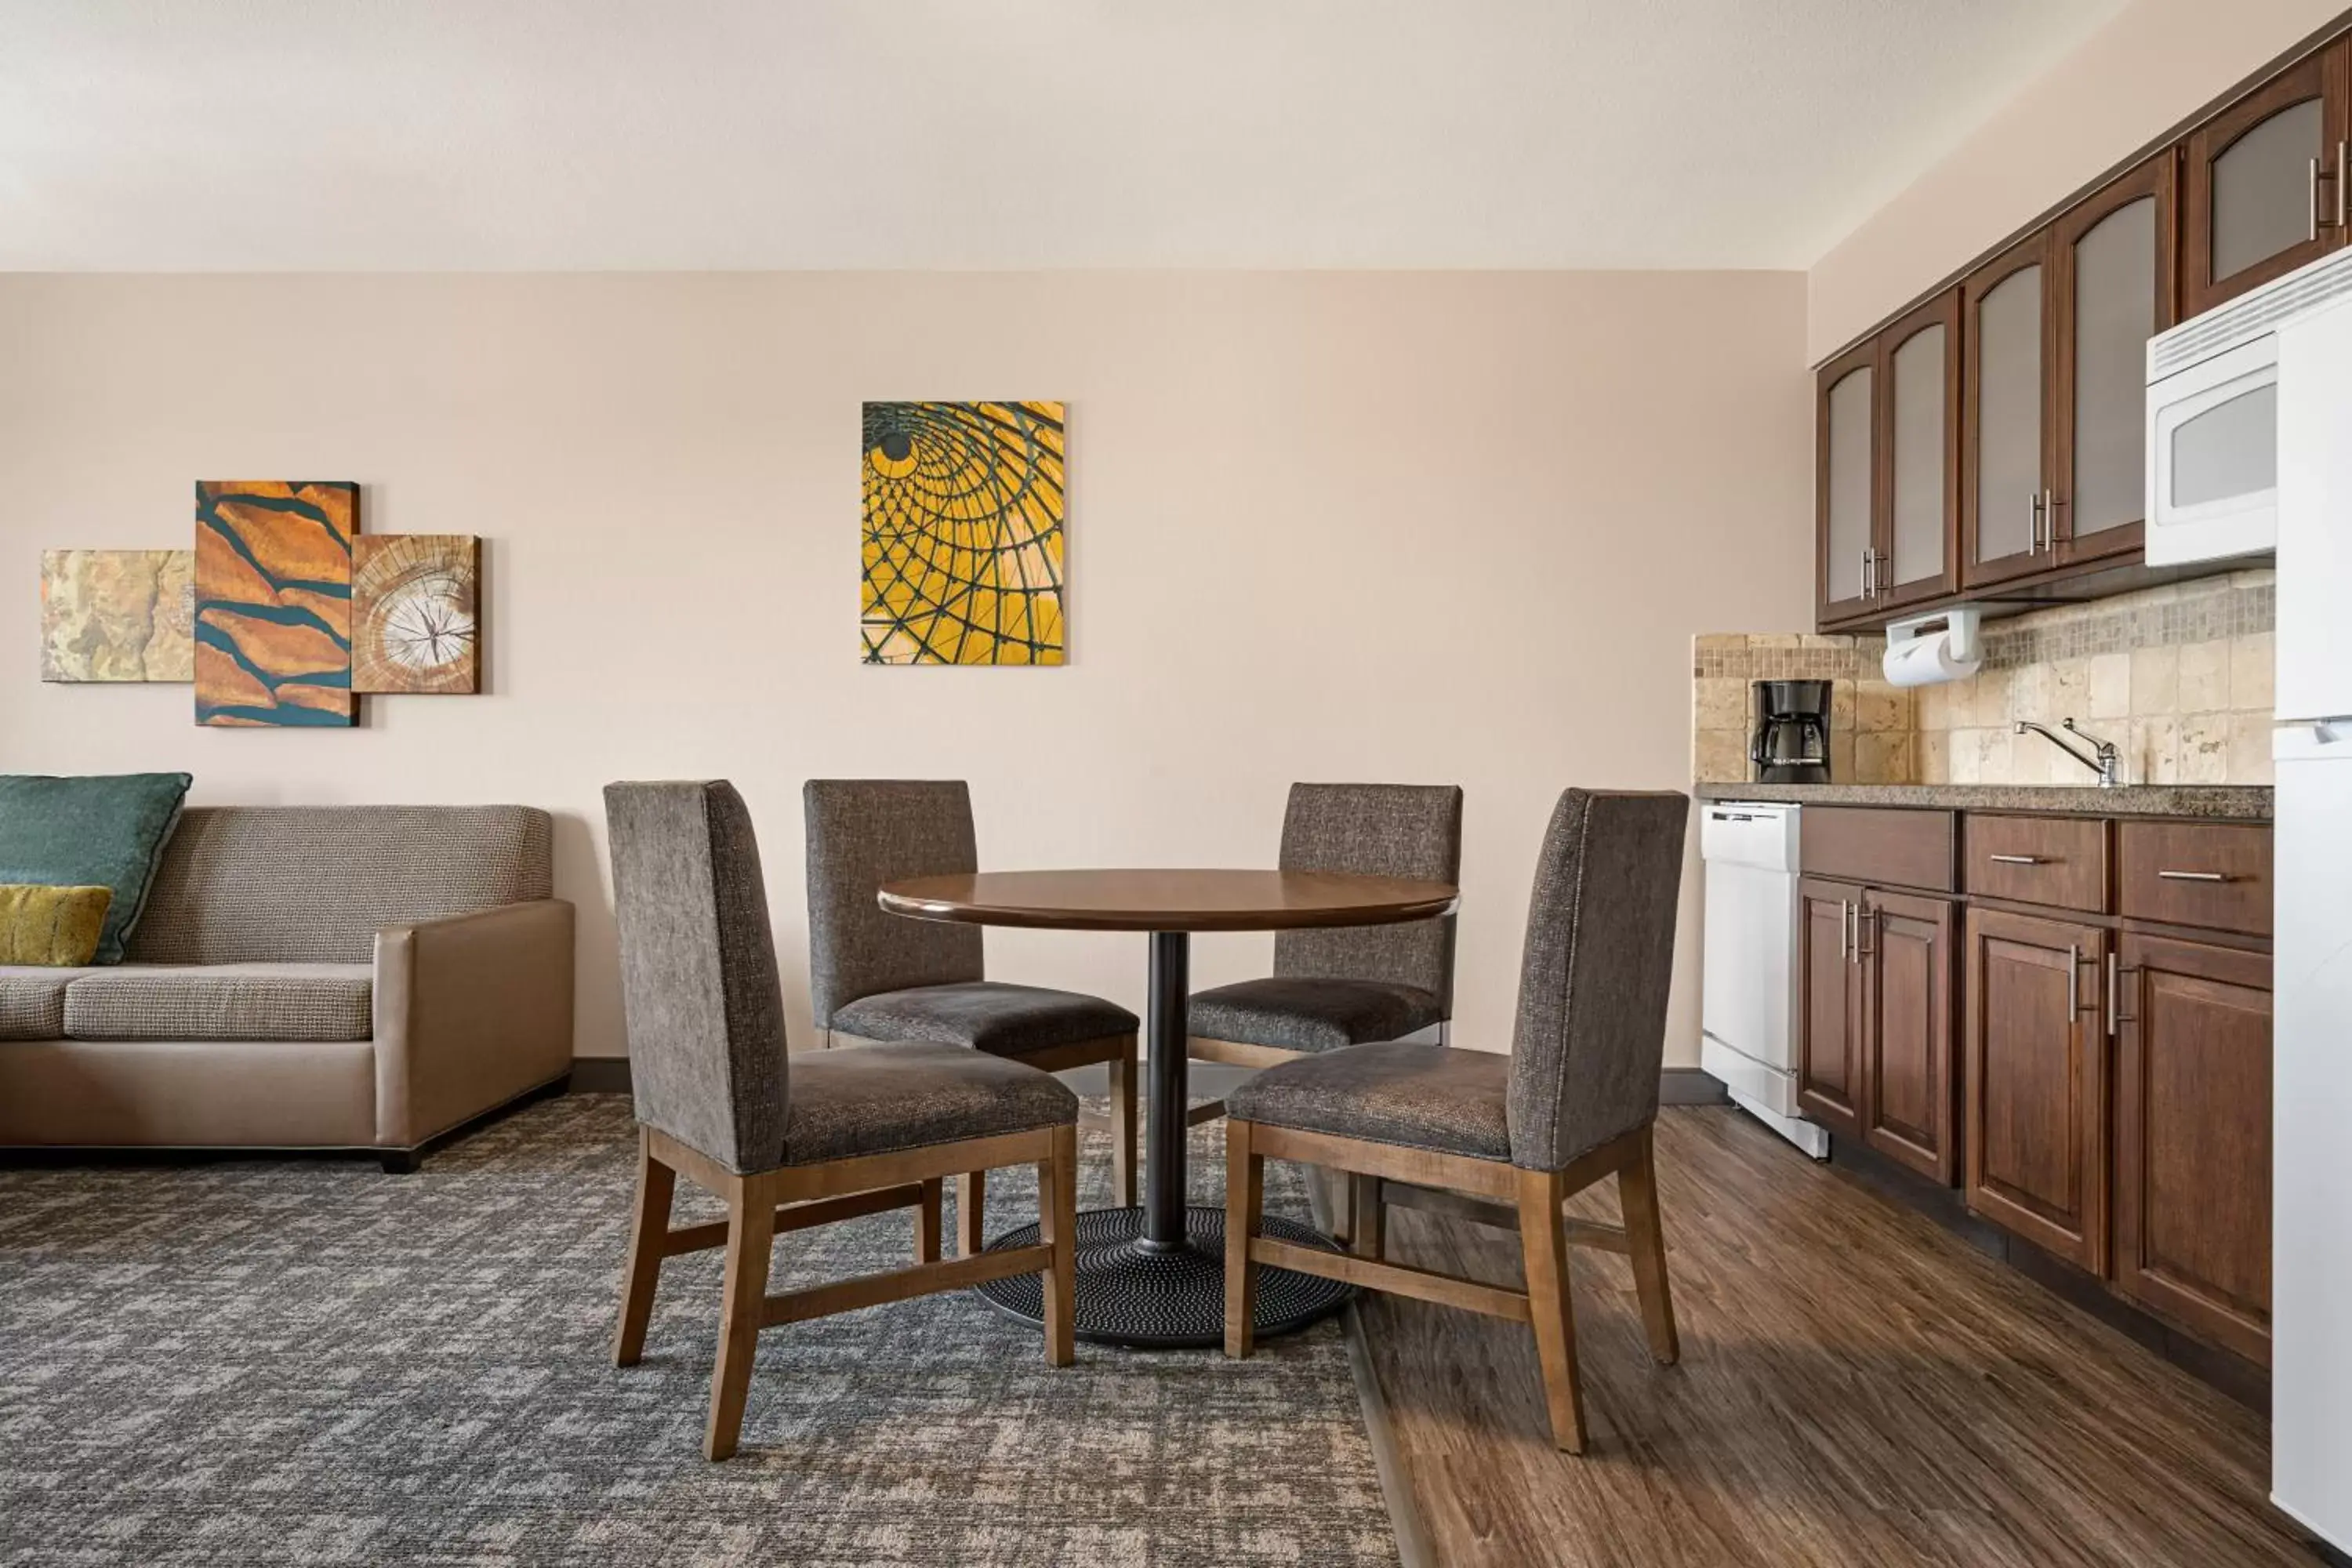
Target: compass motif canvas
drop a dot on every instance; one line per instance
(414, 603)
(962, 533)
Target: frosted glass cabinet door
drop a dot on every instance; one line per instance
(1846, 479)
(2002, 511)
(2265, 182)
(2113, 290)
(1922, 450)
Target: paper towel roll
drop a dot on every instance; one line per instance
(1925, 661)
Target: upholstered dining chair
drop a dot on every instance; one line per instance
(1504, 1140)
(1349, 985)
(790, 1144)
(877, 976)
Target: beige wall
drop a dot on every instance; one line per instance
(1411, 527)
(2154, 65)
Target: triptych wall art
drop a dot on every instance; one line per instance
(282, 616)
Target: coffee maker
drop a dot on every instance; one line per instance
(1789, 733)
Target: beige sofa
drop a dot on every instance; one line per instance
(336, 977)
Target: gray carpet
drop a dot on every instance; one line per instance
(309, 1362)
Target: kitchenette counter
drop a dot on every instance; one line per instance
(2210, 803)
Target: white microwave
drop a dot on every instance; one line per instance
(2212, 419)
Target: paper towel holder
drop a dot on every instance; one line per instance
(1961, 625)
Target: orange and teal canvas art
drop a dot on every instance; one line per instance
(273, 602)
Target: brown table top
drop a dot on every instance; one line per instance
(1175, 899)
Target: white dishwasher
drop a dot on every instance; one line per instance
(1749, 1003)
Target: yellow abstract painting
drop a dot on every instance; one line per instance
(963, 519)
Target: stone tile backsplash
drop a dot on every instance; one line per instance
(2178, 676)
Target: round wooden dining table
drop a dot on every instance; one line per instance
(1154, 1276)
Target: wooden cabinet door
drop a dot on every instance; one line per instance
(1919, 445)
(2113, 287)
(2037, 1155)
(1846, 480)
(1909, 1088)
(1829, 1079)
(2265, 182)
(2192, 1173)
(2004, 428)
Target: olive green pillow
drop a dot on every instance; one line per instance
(100, 831)
(54, 927)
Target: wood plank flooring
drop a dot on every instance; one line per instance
(1857, 1387)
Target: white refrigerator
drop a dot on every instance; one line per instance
(2311, 1271)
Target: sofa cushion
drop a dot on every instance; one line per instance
(312, 884)
(107, 830)
(223, 1002)
(33, 1000)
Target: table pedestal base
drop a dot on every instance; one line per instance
(1130, 1293)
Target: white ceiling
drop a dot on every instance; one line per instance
(462, 134)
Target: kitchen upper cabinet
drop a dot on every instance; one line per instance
(1846, 487)
(2004, 432)
(1831, 1070)
(2035, 1108)
(2266, 182)
(2112, 288)
(1908, 1101)
(1888, 472)
(2192, 1127)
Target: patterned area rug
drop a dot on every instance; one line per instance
(309, 1362)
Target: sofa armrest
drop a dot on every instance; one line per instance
(470, 1011)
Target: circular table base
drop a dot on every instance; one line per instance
(1133, 1295)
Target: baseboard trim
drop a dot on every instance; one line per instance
(1691, 1086)
(1676, 1085)
(600, 1075)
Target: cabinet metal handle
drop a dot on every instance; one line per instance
(2050, 520)
(2074, 981)
(2193, 876)
(2033, 522)
(1861, 573)
(2343, 165)
(2311, 230)
(2015, 859)
(2114, 995)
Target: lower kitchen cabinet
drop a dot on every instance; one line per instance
(2036, 1112)
(1830, 1075)
(2192, 1129)
(1907, 1100)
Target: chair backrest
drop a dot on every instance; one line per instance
(705, 1010)
(311, 884)
(863, 833)
(1592, 1029)
(1377, 830)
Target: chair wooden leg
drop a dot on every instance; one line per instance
(750, 1233)
(1123, 1128)
(1543, 1240)
(1370, 1224)
(1244, 1200)
(972, 1200)
(1057, 1227)
(641, 1271)
(927, 1222)
(1637, 1194)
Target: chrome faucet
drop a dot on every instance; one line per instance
(2103, 761)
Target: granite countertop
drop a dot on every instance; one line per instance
(2241, 802)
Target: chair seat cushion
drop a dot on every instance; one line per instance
(223, 1002)
(1298, 1014)
(990, 1016)
(33, 1000)
(1419, 1097)
(878, 1098)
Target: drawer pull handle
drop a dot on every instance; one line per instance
(2193, 876)
(2015, 859)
